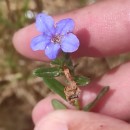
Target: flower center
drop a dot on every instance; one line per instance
(56, 39)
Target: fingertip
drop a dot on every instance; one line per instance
(36, 112)
(41, 109)
(44, 107)
(79, 120)
(21, 41)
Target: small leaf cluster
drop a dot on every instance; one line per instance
(48, 74)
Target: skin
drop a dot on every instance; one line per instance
(103, 29)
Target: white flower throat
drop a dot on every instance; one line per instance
(56, 39)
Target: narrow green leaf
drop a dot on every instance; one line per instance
(55, 86)
(81, 80)
(48, 72)
(89, 106)
(57, 105)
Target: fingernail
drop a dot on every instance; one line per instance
(59, 127)
(52, 126)
(88, 97)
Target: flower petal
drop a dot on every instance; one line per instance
(39, 42)
(64, 26)
(70, 43)
(52, 50)
(45, 23)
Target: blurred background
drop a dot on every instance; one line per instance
(19, 89)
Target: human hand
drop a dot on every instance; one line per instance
(103, 29)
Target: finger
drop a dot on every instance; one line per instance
(116, 102)
(103, 29)
(61, 120)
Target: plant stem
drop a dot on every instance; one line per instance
(71, 91)
(77, 104)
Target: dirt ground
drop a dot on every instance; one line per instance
(19, 89)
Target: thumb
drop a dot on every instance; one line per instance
(61, 120)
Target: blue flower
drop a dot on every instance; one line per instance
(54, 37)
